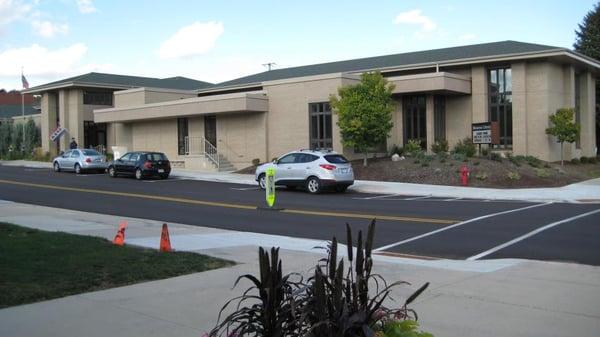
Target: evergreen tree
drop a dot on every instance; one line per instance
(587, 41)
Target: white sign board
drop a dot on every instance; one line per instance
(57, 133)
(482, 133)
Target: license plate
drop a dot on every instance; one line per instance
(344, 170)
(161, 171)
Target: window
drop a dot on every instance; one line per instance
(289, 159)
(75, 154)
(336, 159)
(182, 134)
(97, 98)
(500, 102)
(578, 106)
(305, 158)
(90, 152)
(135, 157)
(415, 126)
(320, 126)
(125, 157)
(439, 117)
(156, 157)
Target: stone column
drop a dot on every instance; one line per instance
(48, 122)
(429, 121)
(63, 116)
(479, 96)
(519, 108)
(588, 114)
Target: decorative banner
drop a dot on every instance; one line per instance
(270, 186)
(57, 133)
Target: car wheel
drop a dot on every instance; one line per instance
(341, 189)
(313, 185)
(111, 172)
(138, 174)
(56, 167)
(262, 181)
(77, 169)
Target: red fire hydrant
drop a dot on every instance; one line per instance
(464, 175)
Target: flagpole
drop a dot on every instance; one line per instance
(23, 113)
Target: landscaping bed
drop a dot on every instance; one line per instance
(37, 265)
(510, 172)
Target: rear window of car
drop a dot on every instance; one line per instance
(336, 159)
(156, 157)
(90, 152)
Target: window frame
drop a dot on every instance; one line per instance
(500, 102)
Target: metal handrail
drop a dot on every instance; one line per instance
(201, 146)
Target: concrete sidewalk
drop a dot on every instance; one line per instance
(510, 298)
(587, 191)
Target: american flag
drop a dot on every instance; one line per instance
(25, 83)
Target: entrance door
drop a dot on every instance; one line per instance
(414, 111)
(210, 129)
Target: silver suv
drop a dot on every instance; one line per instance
(314, 170)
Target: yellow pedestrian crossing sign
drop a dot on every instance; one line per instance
(270, 186)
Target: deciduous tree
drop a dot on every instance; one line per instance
(365, 112)
(564, 128)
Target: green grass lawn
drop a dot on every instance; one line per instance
(37, 265)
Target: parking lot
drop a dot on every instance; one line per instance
(407, 225)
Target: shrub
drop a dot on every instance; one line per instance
(584, 159)
(592, 160)
(485, 152)
(513, 176)
(481, 176)
(533, 161)
(575, 161)
(542, 173)
(465, 147)
(255, 162)
(495, 156)
(516, 160)
(476, 163)
(335, 301)
(440, 146)
(459, 156)
(413, 147)
(546, 165)
(399, 150)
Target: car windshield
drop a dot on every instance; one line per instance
(155, 156)
(90, 152)
(336, 159)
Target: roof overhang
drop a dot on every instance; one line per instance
(196, 106)
(64, 85)
(441, 82)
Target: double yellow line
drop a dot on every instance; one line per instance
(231, 205)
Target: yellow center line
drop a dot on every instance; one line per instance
(231, 205)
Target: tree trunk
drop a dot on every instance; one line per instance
(561, 154)
(365, 159)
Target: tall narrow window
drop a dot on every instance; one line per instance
(320, 126)
(415, 124)
(500, 102)
(182, 134)
(439, 117)
(578, 106)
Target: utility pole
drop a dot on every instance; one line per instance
(269, 65)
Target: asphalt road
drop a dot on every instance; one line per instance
(406, 225)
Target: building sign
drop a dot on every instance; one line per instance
(56, 134)
(485, 133)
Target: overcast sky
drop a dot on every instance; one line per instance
(220, 40)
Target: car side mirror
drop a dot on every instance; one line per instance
(275, 161)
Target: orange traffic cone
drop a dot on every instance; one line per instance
(119, 239)
(165, 242)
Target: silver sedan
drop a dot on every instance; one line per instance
(79, 160)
